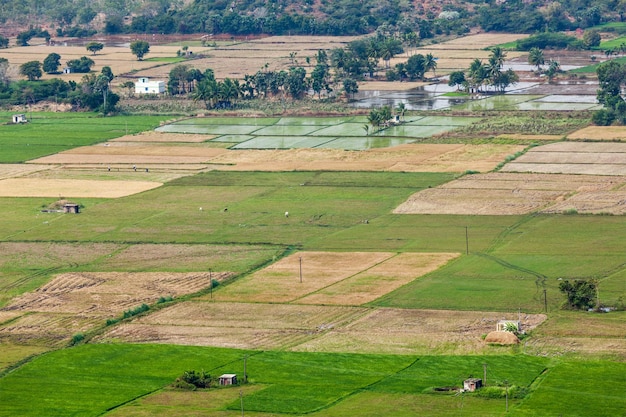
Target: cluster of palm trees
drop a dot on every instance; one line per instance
(536, 58)
(487, 74)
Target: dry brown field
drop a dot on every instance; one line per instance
(76, 302)
(573, 158)
(315, 328)
(508, 193)
(235, 325)
(614, 133)
(378, 280)
(31, 187)
(280, 282)
(408, 158)
(19, 170)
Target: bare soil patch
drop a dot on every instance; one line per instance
(235, 325)
(507, 193)
(30, 187)
(407, 158)
(379, 280)
(400, 331)
(280, 282)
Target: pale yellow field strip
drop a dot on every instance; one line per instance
(588, 169)
(241, 325)
(478, 41)
(157, 137)
(280, 282)
(408, 158)
(599, 133)
(379, 280)
(20, 170)
(505, 193)
(400, 331)
(35, 187)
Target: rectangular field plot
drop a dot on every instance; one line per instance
(250, 326)
(344, 129)
(367, 142)
(499, 102)
(443, 121)
(210, 129)
(378, 280)
(545, 106)
(281, 282)
(232, 138)
(221, 121)
(411, 331)
(287, 130)
(410, 131)
(281, 142)
(314, 121)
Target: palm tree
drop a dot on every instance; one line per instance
(430, 63)
(535, 57)
(476, 74)
(401, 109)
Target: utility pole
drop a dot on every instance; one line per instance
(545, 300)
(245, 371)
(485, 374)
(301, 270)
(241, 401)
(466, 241)
(211, 282)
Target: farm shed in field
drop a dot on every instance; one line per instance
(508, 325)
(67, 70)
(71, 208)
(19, 118)
(228, 379)
(145, 86)
(472, 384)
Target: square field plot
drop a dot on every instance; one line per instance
(411, 131)
(314, 121)
(364, 143)
(220, 121)
(443, 121)
(210, 129)
(499, 102)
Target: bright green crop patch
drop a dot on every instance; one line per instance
(561, 394)
(47, 133)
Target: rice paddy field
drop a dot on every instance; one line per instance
(336, 271)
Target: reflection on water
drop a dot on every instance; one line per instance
(429, 97)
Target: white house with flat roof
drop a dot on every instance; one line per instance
(145, 86)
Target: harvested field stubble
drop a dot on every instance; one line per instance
(27, 187)
(509, 194)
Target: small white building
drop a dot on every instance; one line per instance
(19, 118)
(509, 325)
(145, 86)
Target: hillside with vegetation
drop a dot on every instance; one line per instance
(311, 17)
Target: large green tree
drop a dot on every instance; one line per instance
(94, 47)
(31, 70)
(140, 49)
(52, 63)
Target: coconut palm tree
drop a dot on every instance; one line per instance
(536, 58)
(430, 63)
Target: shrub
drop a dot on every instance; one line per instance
(192, 380)
(162, 300)
(77, 338)
(137, 310)
(603, 117)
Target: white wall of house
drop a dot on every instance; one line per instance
(145, 86)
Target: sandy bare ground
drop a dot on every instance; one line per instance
(379, 280)
(599, 133)
(408, 158)
(280, 282)
(30, 187)
(507, 193)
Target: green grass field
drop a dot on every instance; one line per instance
(93, 379)
(49, 133)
